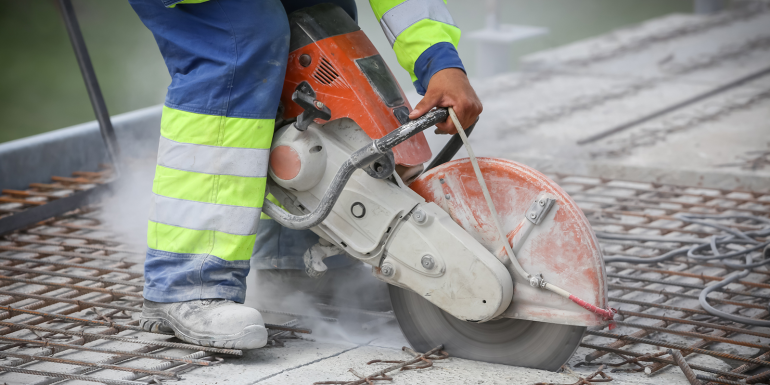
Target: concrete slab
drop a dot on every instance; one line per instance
(588, 87)
(257, 366)
(726, 143)
(304, 362)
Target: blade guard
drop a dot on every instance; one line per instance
(562, 246)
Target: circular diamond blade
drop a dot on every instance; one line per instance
(506, 341)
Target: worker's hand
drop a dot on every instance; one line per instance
(450, 88)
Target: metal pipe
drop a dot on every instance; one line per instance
(116, 293)
(44, 262)
(73, 276)
(577, 197)
(619, 344)
(587, 210)
(115, 360)
(658, 305)
(58, 360)
(725, 194)
(667, 293)
(694, 323)
(19, 239)
(174, 345)
(692, 334)
(759, 378)
(746, 367)
(688, 373)
(688, 285)
(101, 350)
(680, 347)
(622, 352)
(72, 254)
(115, 325)
(167, 365)
(72, 236)
(67, 376)
(92, 85)
(689, 275)
(81, 303)
(662, 229)
(359, 159)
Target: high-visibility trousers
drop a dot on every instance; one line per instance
(227, 61)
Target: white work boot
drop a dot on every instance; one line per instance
(210, 322)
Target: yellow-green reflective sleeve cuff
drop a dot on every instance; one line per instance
(418, 38)
(380, 7)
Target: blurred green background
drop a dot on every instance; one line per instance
(41, 88)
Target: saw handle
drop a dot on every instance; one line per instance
(362, 158)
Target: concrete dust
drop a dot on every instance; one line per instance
(341, 294)
(126, 210)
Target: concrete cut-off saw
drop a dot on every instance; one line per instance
(348, 165)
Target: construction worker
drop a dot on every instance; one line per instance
(227, 61)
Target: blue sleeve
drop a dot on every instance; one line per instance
(436, 58)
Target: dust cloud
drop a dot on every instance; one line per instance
(330, 306)
(126, 210)
(347, 304)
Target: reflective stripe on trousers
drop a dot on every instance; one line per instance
(227, 61)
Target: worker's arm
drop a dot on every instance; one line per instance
(424, 38)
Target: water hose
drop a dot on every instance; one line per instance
(713, 243)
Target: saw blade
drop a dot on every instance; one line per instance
(506, 341)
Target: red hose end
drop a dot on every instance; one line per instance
(606, 314)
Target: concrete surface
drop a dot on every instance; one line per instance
(567, 94)
(304, 362)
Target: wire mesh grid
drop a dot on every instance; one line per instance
(70, 291)
(663, 245)
(70, 295)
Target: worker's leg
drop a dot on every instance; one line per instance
(278, 253)
(227, 61)
(277, 247)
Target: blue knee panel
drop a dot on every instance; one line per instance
(225, 57)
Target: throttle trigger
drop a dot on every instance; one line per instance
(314, 109)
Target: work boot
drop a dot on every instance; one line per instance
(209, 322)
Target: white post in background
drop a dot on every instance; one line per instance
(493, 43)
(707, 7)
